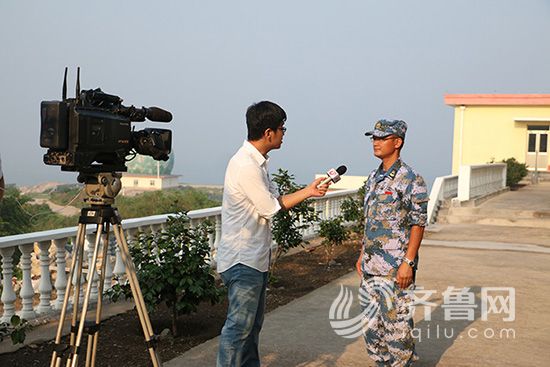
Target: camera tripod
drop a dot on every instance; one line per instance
(101, 190)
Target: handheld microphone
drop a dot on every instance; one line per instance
(334, 175)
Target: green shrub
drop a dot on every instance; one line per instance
(515, 171)
(173, 267)
(334, 234)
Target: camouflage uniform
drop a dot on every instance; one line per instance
(394, 201)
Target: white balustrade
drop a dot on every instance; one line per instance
(444, 188)
(480, 180)
(472, 182)
(325, 207)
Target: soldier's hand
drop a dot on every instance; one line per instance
(404, 275)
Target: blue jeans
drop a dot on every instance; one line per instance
(245, 315)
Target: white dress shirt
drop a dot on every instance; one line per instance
(250, 200)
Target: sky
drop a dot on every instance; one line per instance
(334, 66)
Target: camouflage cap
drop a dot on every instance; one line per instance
(384, 128)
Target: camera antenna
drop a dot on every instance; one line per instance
(64, 91)
(77, 83)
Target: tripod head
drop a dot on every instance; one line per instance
(101, 188)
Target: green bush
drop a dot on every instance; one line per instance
(173, 267)
(286, 224)
(515, 171)
(334, 234)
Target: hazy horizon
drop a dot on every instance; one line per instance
(335, 67)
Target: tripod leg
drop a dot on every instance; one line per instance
(56, 359)
(78, 340)
(93, 338)
(136, 292)
(76, 292)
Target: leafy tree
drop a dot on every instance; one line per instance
(13, 217)
(173, 267)
(352, 211)
(334, 234)
(287, 224)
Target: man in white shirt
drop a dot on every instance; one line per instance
(2, 185)
(249, 202)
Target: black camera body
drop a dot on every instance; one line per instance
(92, 133)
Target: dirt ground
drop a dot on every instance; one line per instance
(121, 340)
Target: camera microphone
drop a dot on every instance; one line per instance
(157, 114)
(334, 175)
(140, 114)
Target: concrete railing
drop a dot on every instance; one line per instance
(471, 182)
(47, 255)
(480, 180)
(444, 188)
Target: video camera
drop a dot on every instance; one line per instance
(92, 132)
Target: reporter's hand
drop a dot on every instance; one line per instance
(404, 275)
(318, 191)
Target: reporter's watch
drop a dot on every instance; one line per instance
(410, 262)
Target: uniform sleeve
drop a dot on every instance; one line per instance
(255, 189)
(418, 202)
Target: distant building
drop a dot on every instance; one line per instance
(499, 126)
(346, 182)
(146, 174)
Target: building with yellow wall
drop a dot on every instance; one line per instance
(499, 126)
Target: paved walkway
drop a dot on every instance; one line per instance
(300, 333)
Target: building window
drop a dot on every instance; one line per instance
(136, 182)
(532, 143)
(152, 182)
(537, 127)
(543, 146)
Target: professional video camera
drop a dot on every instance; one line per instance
(92, 132)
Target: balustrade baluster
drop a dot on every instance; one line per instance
(61, 278)
(27, 292)
(107, 284)
(120, 269)
(92, 274)
(45, 287)
(8, 294)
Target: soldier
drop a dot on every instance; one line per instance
(396, 214)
